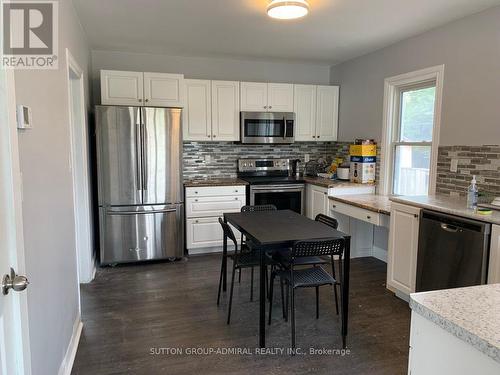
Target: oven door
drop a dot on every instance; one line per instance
(267, 127)
(284, 197)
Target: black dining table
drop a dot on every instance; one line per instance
(271, 230)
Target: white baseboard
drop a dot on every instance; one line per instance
(69, 357)
(380, 254)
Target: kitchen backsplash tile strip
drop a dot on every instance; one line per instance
(482, 161)
(218, 159)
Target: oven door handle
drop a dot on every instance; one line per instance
(278, 188)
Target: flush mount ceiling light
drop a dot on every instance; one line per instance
(287, 10)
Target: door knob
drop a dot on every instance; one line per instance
(13, 281)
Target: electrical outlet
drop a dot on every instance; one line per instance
(454, 165)
(208, 158)
(306, 158)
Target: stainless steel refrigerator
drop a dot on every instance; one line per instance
(139, 166)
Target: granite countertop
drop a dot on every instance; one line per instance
(373, 202)
(215, 182)
(329, 183)
(447, 204)
(472, 314)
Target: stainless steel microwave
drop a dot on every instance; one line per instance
(267, 127)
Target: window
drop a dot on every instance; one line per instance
(413, 142)
(411, 122)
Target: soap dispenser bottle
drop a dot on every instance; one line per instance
(472, 194)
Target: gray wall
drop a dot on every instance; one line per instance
(470, 50)
(207, 68)
(49, 228)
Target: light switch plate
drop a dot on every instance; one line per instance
(454, 165)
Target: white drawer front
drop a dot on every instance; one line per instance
(213, 206)
(211, 191)
(356, 212)
(206, 232)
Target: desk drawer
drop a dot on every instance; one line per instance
(212, 191)
(213, 206)
(357, 212)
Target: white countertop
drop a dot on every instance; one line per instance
(447, 204)
(472, 314)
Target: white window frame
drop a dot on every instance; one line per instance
(392, 89)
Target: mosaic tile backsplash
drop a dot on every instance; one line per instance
(482, 161)
(219, 159)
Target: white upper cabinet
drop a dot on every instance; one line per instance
(226, 110)
(305, 112)
(163, 90)
(327, 113)
(266, 97)
(121, 88)
(316, 112)
(253, 96)
(197, 124)
(212, 110)
(279, 97)
(142, 89)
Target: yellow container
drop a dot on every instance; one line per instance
(363, 150)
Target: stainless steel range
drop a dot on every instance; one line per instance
(272, 181)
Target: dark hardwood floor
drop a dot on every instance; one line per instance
(128, 310)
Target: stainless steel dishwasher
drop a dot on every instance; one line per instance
(452, 252)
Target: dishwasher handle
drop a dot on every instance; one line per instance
(449, 228)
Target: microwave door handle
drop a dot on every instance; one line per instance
(284, 124)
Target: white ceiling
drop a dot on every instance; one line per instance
(334, 31)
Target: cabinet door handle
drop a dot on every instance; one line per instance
(314, 136)
(333, 206)
(196, 192)
(196, 200)
(196, 221)
(147, 100)
(265, 107)
(236, 198)
(213, 135)
(270, 106)
(140, 100)
(368, 217)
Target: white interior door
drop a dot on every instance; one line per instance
(14, 338)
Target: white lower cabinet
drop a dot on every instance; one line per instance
(435, 351)
(204, 207)
(316, 201)
(403, 248)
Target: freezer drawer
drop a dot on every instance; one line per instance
(131, 234)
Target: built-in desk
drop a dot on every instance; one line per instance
(366, 218)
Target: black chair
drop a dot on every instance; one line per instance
(248, 259)
(311, 277)
(283, 256)
(244, 245)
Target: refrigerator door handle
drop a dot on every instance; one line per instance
(144, 155)
(117, 213)
(138, 150)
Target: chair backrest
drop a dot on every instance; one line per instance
(315, 248)
(327, 220)
(228, 231)
(262, 207)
